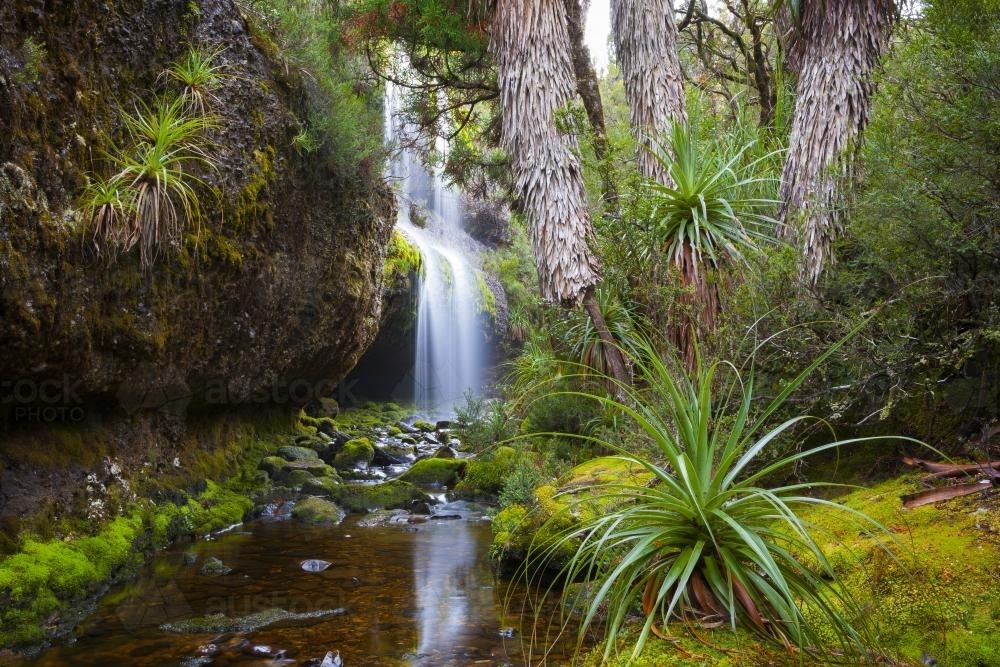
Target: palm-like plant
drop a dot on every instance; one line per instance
(713, 214)
(110, 206)
(707, 542)
(199, 77)
(587, 346)
(167, 142)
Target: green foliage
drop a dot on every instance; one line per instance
(484, 423)
(344, 109)
(34, 54)
(921, 239)
(519, 485)
(445, 472)
(707, 216)
(198, 76)
(708, 539)
(154, 195)
(585, 344)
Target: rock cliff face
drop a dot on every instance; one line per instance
(272, 300)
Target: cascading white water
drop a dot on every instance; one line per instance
(449, 355)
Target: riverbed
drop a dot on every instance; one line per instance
(417, 594)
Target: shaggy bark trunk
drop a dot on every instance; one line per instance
(646, 43)
(530, 45)
(842, 42)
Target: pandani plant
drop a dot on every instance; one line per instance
(709, 541)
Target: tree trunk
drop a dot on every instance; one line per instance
(842, 42)
(530, 45)
(589, 90)
(646, 43)
(616, 361)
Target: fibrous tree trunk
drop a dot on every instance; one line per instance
(646, 45)
(531, 48)
(842, 42)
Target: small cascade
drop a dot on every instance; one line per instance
(449, 356)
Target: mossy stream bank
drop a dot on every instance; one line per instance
(312, 471)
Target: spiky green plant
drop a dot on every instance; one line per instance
(109, 205)
(713, 214)
(167, 141)
(585, 343)
(198, 76)
(709, 541)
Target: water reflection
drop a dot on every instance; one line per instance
(414, 595)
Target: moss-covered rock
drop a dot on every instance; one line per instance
(445, 472)
(355, 452)
(293, 479)
(220, 623)
(424, 426)
(364, 498)
(485, 475)
(272, 465)
(296, 453)
(321, 486)
(214, 567)
(317, 511)
(314, 467)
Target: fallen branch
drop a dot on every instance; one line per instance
(911, 500)
(941, 470)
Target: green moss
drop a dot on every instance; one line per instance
(510, 535)
(402, 259)
(445, 472)
(272, 465)
(296, 453)
(558, 507)
(321, 486)
(424, 426)
(367, 498)
(354, 453)
(252, 209)
(485, 475)
(487, 301)
(217, 508)
(317, 511)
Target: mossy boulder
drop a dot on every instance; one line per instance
(355, 452)
(485, 474)
(321, 486)
(314, 467)
(424, 426)
(364, 498)
(214, 567)
(445, 472)
(272, 465)
(293, 479)
(558, 507)
(318, 511)
(220, 623)
(297, 453)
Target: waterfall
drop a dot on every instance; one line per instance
(449, 356)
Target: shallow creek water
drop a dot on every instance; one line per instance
(421, 595)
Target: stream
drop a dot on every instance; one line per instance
(389, 588)
(393, 595)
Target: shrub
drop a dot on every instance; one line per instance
(708, 541)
